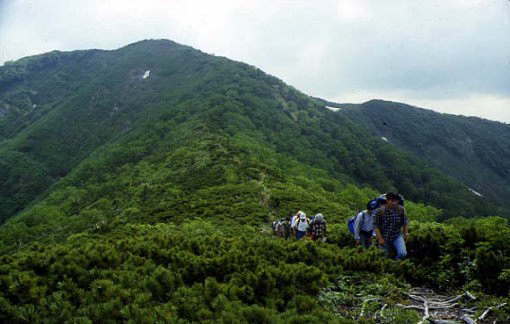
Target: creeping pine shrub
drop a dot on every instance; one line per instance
(195, 272)
(204, 272)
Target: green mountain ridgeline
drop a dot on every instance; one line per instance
(138, 185)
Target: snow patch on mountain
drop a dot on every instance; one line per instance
(333, 108)
(146, 74)
(385, 139)
(475, 192)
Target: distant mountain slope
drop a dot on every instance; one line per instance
(473, 150)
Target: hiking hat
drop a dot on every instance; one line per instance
(392, 196)
(302, 215)
(373, 204)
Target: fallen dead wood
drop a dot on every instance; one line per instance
(488, 310)
(467, 319)
(435, 307)
(440, 309)
(364, 304)
(426, 316)
(380, 313)
(470, 295)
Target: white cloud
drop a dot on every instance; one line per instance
(354, 10)
(435, 52)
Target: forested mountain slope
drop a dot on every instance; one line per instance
(144, 189)
(100, 97)
(473, 150)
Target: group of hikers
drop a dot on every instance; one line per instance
(300, 226)
(384, 218)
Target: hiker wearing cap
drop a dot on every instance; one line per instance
(301, 225)
(391, 226)
(364, 225)
(318, 228)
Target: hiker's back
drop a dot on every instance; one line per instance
(319, 228)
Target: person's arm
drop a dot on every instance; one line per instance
(379, 236)
(405, 227)
(357, 227)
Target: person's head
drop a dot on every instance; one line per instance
(302, 215)
(392, 199)
(372, 204)
(319, 217)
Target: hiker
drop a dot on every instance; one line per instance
(391, 226)
(318, 228)
(293, 220)
(286, 226)
(277, 228)
(282, 228)
(364, 224)
(301, 226)
(401, 199)
(273, 227)
(312, 219)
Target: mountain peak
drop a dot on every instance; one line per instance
(152, 43)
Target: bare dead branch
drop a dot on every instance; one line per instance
(488, 310)
(470, 295)
(467, 319)
(427, 314)
(364, 304)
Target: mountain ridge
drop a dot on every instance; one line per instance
(116, 98)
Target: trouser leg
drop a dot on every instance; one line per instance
(365, 239)
(400, 247)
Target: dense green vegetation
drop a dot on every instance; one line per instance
(473, 150)
(97, 98)
(149, 200)
(203, 271)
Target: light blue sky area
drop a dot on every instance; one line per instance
(448, 55)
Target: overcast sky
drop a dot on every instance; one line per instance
(448, 55)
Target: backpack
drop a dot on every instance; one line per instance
(299, 222)
(401, 200)
(352, 220)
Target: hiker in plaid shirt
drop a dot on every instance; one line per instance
(318, 228)
(391, 226)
